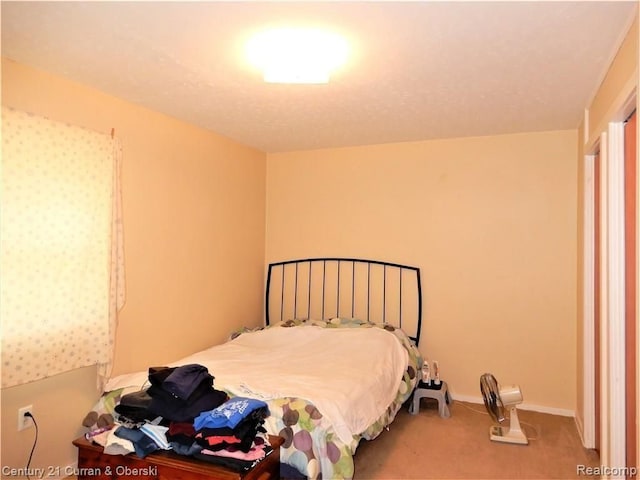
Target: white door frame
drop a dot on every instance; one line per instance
(589, 369)
(615, 354)
(612, 285)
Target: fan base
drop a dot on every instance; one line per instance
(506, 435)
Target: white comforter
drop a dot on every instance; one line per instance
(350, 374)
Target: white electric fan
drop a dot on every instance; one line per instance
(496, 400)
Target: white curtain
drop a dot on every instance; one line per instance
(61, 258)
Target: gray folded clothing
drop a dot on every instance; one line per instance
(135, 406)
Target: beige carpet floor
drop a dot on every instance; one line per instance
(426, 446)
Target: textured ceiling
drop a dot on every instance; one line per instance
(417, 70)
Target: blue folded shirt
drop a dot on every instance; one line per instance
(229, 414)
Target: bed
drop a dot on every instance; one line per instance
(335, 361)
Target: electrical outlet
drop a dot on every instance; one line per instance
(23, 420)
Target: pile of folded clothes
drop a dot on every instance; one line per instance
(183, 412)
(176, 394)
(180, 394)
(233, 434)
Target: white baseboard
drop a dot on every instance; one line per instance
(523, 406)
(580, 429)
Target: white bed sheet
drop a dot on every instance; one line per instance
(350, 374)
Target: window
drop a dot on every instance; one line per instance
(61, 248)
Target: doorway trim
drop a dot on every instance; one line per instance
(616, 411)
(612, 282)
(589, 367)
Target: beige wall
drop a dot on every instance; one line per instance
(616, 82)
(491, 222)
(194, 224)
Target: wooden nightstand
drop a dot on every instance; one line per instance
(93, 464)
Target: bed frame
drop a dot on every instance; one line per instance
(324, 288)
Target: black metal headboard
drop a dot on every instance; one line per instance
(325, 288)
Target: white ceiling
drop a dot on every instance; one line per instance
(418, 70)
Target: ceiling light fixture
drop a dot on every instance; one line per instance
(296, 55)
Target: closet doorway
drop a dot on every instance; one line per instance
(631, 245)
(596, 296)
